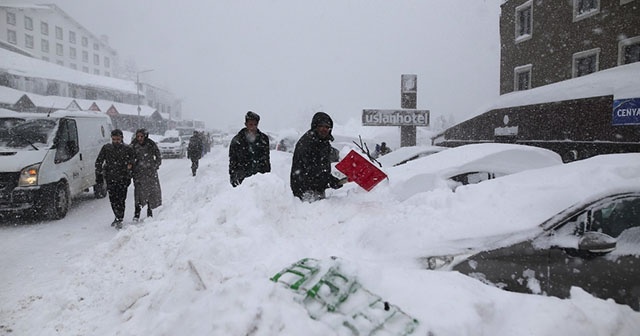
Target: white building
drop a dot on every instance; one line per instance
(46, 32)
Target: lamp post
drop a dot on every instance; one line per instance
(138, 91)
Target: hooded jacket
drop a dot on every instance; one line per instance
(311, 164)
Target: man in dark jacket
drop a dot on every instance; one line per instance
(194, 151)
(248, 151)
(145, 173)
(311, 165)
(113, 165)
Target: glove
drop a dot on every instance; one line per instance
(335, 183)
(235, 182)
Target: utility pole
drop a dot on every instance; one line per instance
(138, 92)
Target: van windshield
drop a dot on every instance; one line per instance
(27, 133)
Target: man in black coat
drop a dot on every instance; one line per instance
(248, 151)
(194, 151)
(311, 165)
(113, 165)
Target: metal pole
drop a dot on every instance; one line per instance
(138, 92)
(138, 95)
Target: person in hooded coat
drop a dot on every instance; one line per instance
(113, 166)
(248, 151)
(311, 164)
(145, 173)
(194, 151)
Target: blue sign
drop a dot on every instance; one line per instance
(626, 112)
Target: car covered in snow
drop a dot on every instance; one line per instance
(466, 164)
(172, 146)
(403, 155)
(573, 225)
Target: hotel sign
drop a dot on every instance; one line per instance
(395, 117)
(626, 112)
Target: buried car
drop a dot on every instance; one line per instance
(587, 233)
(466, 164)
(403, 155)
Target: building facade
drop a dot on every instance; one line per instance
(549, 50)
(48, 33)
(544, 42)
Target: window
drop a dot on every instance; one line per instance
(524, 21)
(107, 62)
(28, 41)
(58, 33)
(85, 56)
(85, 41)
(44, 28)
(107, 73)
(45, 58)
(11, 18)
(44, 45)
(96, 59)
(522, 78)
(585, 62)
(85, 69)
(59, 49)
(73, 66)
(96, 71)
(28, 23)
(11, 36)
(629, 50)
(67, 140)
(96, 46)
(585, 8)
(72, 52)
(60, 63)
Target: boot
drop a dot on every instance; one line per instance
(136, 214)
(117, 223)
(149, 212)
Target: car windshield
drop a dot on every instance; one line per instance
(27, 133)
(170, 140)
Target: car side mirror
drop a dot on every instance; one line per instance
(596, 242)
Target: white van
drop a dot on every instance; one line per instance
(47, 159)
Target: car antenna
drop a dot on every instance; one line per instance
(365, 150)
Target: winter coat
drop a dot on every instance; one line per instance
(194, 151)
(311, 164)
(248, 158)
(112, 164)
(145, 173)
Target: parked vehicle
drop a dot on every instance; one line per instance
(47, 159)
(172, 146)
(577, 233)
(466, 165)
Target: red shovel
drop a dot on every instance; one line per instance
(360, 170)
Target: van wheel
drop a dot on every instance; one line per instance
(59, 202)
(100, 190)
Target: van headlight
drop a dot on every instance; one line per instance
(29, 176)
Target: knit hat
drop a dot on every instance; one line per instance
(252, 116)
(116, 132)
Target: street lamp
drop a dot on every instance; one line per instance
(138, 91)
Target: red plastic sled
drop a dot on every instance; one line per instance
(360, 170)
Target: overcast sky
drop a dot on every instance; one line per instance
(286, 59)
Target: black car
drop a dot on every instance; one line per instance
(594, 245)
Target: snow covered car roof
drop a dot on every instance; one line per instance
(492, 159)
(404, 154)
